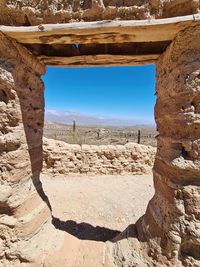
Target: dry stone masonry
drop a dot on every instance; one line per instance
(169, 232)
(62, 158)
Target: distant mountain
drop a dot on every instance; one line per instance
(67, 117)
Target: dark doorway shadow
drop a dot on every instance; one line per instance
(31, 99)
(85, 231)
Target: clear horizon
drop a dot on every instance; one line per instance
(104, 93)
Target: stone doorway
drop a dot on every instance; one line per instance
(99, 211)
(168, 233)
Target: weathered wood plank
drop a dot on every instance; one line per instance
(99, 60)
(102, 31)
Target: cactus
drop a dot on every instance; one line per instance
(74, 127)
(74, 131)
(98, 134)
(139, 136)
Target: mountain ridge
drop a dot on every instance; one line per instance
(67, 118)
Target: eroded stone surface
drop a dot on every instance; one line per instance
(169, 232)
(59, 11)
(21, 124)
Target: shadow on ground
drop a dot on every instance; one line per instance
(85, 231)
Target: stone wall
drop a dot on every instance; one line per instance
(63, 158)
(22, 202)
(175, 206)
(171, 224)
(61, 11)
(169, 232)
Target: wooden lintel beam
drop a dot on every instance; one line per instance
(154, 30)
(99, 60)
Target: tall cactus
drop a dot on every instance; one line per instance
(74, 127)
(139, 136)
(74, 130)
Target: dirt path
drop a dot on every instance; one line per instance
(95, 207)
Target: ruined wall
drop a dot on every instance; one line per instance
(171, 225)
(63, 158)
(169, 233)
(175, 208)
(22, 203)
(33, 12)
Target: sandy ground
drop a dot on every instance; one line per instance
(96, 208)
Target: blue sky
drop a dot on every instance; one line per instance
(118, 92)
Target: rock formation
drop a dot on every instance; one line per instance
(169, 232)
(62, 158)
